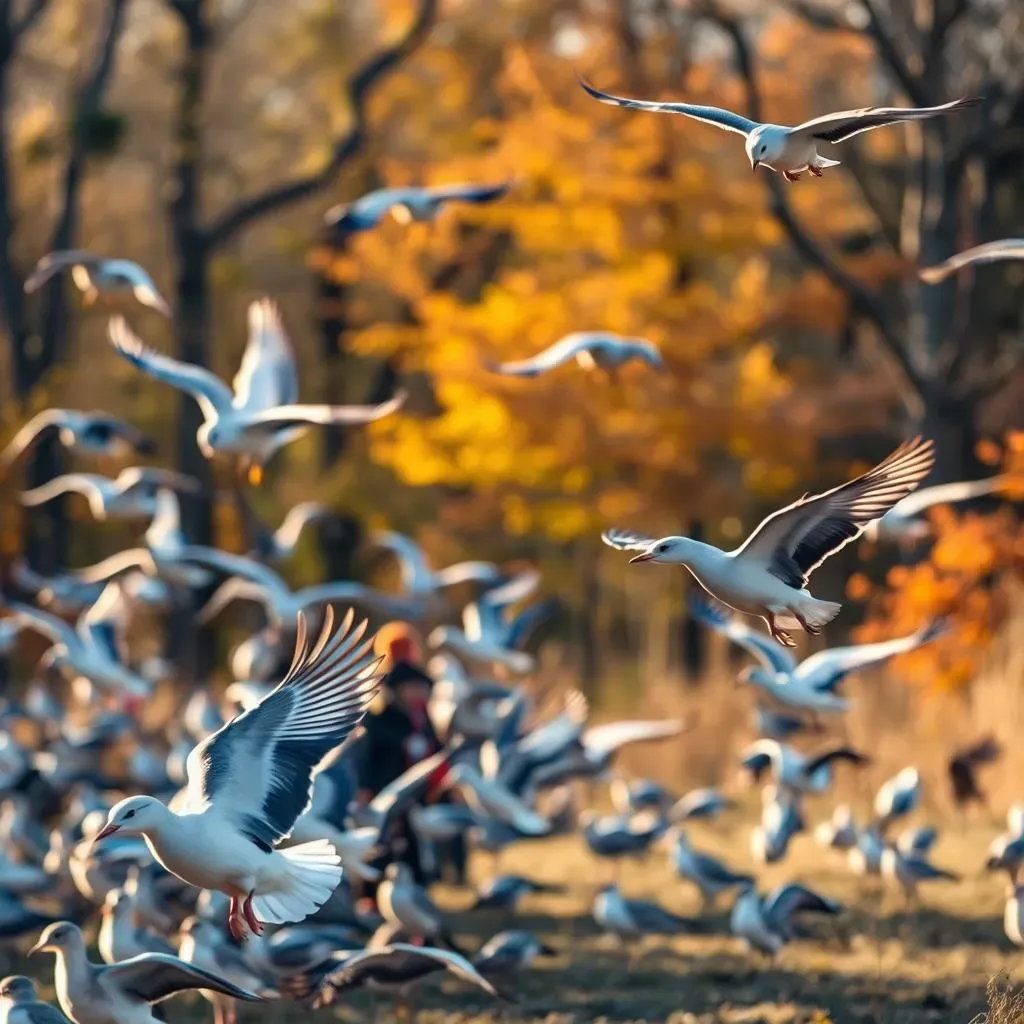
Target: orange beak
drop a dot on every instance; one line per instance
(107, 830)
(754, 166)
(645, 556)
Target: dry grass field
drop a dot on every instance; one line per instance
(879, 963)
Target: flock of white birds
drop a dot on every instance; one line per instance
(225, 850)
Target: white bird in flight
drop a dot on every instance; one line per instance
(904, 524)
(790, 150)
(263, 413)
(130, 495)
(407, 204)
(250, 781)
(591, 349)
(95, 276)
(768, 574)
(989, 252)
(92, 433)
(252, 581)
(809, 685)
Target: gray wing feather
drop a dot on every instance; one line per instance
(717, 116)
(154, 977)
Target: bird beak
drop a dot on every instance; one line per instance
(644, 556)
(754, 164)
(39, 947)
(107, 830)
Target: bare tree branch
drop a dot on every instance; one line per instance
(895, 60)
(860, 297)
(359, 87)
(22, 25)
(90, 97)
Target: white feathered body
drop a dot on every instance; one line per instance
(747, 586)
(210, 853)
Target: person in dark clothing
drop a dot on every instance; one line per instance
(397, 736)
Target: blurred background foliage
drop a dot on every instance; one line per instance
(782, 376)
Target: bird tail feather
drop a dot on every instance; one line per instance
(312, 871)
(823, 161)
(820, 613)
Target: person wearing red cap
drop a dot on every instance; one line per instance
(398, 735)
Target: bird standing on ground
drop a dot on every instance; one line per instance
(790, 150)
(765, 924)
(767, 575)
(95, 276)
(251, 780)
(592, 350)
(122, 993)
(20, 1004)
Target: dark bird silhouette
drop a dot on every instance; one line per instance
(963, 768)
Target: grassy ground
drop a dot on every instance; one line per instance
(879, 962)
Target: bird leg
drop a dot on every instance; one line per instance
(236, 923)
(816, 171)
(232, 1011)
(219, 1016)
(780, 635)
(250, 915)
(791, 175)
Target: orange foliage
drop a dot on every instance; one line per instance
(964, 579)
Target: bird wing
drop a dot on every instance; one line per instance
(794, 541)
(257, 770)
(943, 494)
(39, 1013)
(602, 740)
(116, 565)
(367, 211)
(48, 419)
(54, 262)
(467, 572)
(835, 754)
(554, 737)
(402, 792)
(50, 626)
(236, 565)
(91, 485)
(520, 629)
(299, 516)
(234, 589)
(844, 124)
(983, 752)
(715, 615)
(627, 540)
(469, 193)
(154, 977)
(553, 356)
(785, 901)
(416, 574)
(990, 252)
(451, 962)
(826, 668)
(153, 477)
(517, 589)
(212, 394)
(717, 116)
(267, 376)
(323, 415)
(165, 526)
(355, 593)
